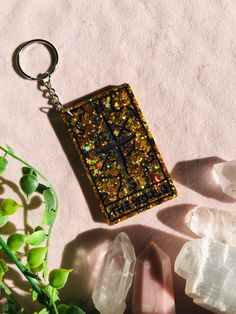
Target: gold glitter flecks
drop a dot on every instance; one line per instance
(116, 132)
(117, 105)
(142, 181)
(118, 153)
(89, 161)
(108, 102)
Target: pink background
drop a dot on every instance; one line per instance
(179, 58)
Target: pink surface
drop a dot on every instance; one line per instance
(179, 58)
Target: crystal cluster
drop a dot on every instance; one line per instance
(208, 264)
(212, 223)
(209, 268)
(153, 286)
(225, 173)
(115, 277)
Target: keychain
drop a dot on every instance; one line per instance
(115, 146)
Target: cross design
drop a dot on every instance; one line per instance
(115, 143)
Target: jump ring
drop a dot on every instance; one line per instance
(54, 56)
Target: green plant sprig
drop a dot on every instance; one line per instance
(10, 153)
(46, 294)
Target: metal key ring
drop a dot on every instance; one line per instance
(54, 59)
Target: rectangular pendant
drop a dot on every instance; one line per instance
(118, 153)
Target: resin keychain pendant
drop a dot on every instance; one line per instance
(118, 153)
(115, 146)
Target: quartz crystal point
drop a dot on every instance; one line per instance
(212, 223)
(209, 268)
(115, 277)
(225, 173)
(153, 285)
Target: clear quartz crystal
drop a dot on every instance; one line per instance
(209, 268)
(213, 223)
(115, 277)
(225, 173)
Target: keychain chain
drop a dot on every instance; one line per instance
(53, 96)
(46, 76)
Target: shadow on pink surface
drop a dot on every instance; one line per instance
(17, 281)
(174, 218)
(85, 254)
(197, 175)
(74, 160)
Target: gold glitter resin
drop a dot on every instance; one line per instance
(118, 153)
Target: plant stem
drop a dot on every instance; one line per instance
(10, 294)
(8, 251)
(55, 308)
(5, 288)
(19, 265)
(46, 180)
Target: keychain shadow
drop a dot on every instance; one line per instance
(61, 132)
(197, 175)
(74, 160)
(14, 60)
(85, 254)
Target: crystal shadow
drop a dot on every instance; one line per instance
(197, 175)
(85, 254)
(174, 218)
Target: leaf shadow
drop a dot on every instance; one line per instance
(35, 202)
(12, 275)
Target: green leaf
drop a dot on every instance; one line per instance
(49, 216)
(28, 183)
(36, 270)
(9, 206)
(27, 170)
(34, 295)
(15, 241)
(73, 309)
(3, 268)
(49, 198)
(36, 256)
(3, 219)
(41, 188)
(3, 165)
(51, 292)
(36, 238)
(62, 308)
(43, 311)
(12, 307)
(58, 277)
(45, 270)
(78, 305)
(38, 228)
